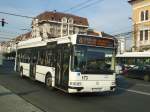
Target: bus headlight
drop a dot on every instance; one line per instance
(75, 83)
(113, 83)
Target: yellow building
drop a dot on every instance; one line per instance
(141, 24)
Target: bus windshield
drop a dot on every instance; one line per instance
(91, 60)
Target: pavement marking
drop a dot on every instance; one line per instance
(146, 85)
(135, 91)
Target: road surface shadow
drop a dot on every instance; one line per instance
(7, 67)
(6, 93)
(26, 92)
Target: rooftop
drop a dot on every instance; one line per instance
(23, 36)
(132, 1)
(57, 16)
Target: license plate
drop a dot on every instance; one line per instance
(96, 89)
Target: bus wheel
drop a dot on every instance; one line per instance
(146, 77)
(48, 80)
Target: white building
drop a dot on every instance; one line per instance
(56, 24)
(124, 44)
(121, 45)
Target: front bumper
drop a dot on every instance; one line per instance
(90, 90)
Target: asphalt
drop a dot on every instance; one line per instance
(131, 95)
(10, 102)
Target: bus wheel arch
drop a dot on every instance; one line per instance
(48, 80)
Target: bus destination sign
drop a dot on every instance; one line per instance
(95, 41)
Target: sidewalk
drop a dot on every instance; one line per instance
(10, 102)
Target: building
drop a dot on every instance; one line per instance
(124, 44)
(121, 45)
(7, 46)
(56, 24)
(141, 24)
(23, 37)
(98, 33)
(10, 46)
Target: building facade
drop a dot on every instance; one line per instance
(121, 45)
(56, 24)
(51, 25)
(141, 24)
(7, 46)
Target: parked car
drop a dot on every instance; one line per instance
(140, 72)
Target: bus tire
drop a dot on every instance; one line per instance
(146, 77)
(48, 80)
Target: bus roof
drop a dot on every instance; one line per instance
(133, 54)
(38, 41)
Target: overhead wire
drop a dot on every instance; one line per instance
(87, 5)
(124, 34)
(8, 32)
(123, 29)
(78, 5)
(18, 15)
(13, 14)
(75, 8)
(5, 38)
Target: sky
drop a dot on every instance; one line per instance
(110, 16)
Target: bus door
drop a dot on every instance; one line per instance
(62, 66)
(33, 67)
(17, 64)
(18, 60)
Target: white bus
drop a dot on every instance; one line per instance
(74, 64)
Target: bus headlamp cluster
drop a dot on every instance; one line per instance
(113, 83)
(75, 83)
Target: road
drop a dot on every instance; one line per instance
(131, 95)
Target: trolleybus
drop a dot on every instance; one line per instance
(74, 64)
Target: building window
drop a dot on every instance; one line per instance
(64, 26)
(142, 16)
(146, 15)
(146, 34)
(52, 18)
(141, 35)
(70, 20)
(64, 20)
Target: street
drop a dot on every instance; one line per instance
(131, 95)
(77, 47)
